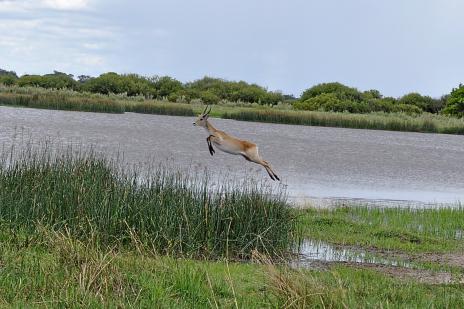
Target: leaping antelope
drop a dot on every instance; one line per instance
(230, 144)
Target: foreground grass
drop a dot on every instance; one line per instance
(71, 100)
(408, 230)
(54, 269)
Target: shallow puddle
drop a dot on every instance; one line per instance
(311, 251)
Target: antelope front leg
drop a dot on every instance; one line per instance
(210, 147)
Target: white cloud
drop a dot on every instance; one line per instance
(38, 41)
(66, 4)
(21, 6)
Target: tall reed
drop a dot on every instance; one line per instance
(167, 211)
(87, 102)
(391, 122)
(152, 107)
(61, 102)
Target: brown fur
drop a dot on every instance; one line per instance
(232, 145)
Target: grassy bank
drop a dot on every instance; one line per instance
(90, 197)
(52, 269)
(426, 123)
(78, 101)
(407, 230)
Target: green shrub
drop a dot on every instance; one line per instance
(233, 91)
(425, 103)
(341, 91)
(7, 80)
(165, 86)
(330, 102)
(208, 97)
(318, 102)
(57, 80)
(455, 103)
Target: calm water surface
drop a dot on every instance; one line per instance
(316, 163)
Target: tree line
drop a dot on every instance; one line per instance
(322, 97)
(209, 90)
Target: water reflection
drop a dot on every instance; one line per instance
(311, 251)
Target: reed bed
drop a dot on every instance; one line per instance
(167, 212)
(393, 122)
(59, 101)
(76, 101)
(157, 108)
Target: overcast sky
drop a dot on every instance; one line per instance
(395, 46)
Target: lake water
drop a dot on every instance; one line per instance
(315, 164)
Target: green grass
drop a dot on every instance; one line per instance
(426, 123)
(86, 102)
(52, 269)
(409, 230)
(159, 108)
(168, 212)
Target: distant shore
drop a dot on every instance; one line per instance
(77, 101)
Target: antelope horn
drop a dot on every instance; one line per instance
(205, 110)
(207, 113)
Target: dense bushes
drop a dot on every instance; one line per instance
(425, 103)
(334, 97)
(215, 89)
(337, 97)
(338, 90)
(57, 80)
(8, 78)
(207, 90)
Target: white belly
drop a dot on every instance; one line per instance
(227, 148)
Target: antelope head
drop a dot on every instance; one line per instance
(203, 117)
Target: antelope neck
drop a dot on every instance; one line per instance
(209, 127)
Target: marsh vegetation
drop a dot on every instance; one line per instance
(78, 230)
